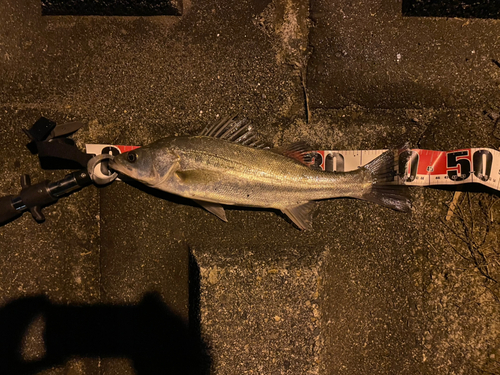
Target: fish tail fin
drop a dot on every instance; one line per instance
(385, 189)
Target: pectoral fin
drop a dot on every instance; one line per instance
(214, 208)
(198, 176)
(300, 215)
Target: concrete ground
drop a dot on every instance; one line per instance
(123, 280)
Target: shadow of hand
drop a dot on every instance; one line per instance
(153, 337)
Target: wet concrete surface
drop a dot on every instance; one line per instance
(369, 290)
(363, 48)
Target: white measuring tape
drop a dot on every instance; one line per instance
(423, 167)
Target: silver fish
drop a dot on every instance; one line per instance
(227, 165)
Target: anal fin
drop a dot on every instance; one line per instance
(300, 215)
(214, 208)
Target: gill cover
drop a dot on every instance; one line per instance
(150, 165)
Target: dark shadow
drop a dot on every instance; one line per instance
(111, 8)
(150, 334)
(452, 8)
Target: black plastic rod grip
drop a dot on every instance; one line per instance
(7, 210)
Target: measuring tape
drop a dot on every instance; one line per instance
(425, 167)
(416, 167)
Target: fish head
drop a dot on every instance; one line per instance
(149, 164)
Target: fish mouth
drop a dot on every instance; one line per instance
(125, 169)
(116, 166)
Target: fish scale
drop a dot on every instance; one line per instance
(274, 180)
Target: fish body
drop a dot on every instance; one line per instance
(218, 171)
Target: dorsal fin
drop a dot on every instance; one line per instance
(299, 151)
(235, 129)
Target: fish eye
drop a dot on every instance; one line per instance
(132, 157)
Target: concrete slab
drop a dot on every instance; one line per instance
(135, 258)
(139, 256)
(260, 312)
(369, 296)
(366, 53)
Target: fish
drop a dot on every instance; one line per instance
(228, 165)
